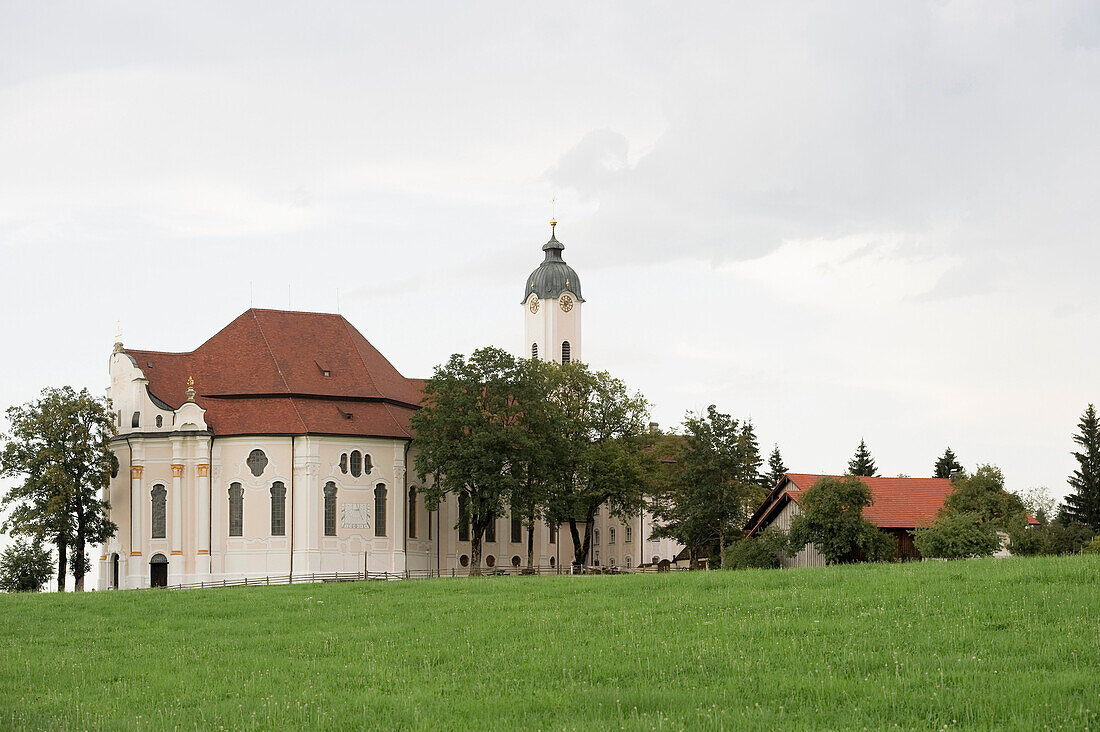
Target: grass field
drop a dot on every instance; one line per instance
(983, 643)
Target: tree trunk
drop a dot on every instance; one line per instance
(531, 540)
(62, 561)
(475, 551)
(79, 550)
(580, 548)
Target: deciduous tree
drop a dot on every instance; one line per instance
(603, 459)
(59, 446)
(25, 566)
(469, 437)
(831, 518)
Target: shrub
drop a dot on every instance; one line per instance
(1056, 538)
(1093, 547)
(957, 535)
(756, 552)
(25, 567)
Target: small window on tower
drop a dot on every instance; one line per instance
(534, 350)
(565, 352)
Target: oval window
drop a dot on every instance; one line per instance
(257, 461)
(515, 560)
(490, 561)
(356, 463)
(464, 560)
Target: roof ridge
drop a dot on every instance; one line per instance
(278, 368)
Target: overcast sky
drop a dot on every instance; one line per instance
(843, 221)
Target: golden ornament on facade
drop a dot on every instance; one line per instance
(177, 471)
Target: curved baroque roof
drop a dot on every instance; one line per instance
(553, 277)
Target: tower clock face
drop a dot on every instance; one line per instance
(534, 305)
(566, 303)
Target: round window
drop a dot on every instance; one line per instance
(464, 560)
(490, 561)
(515, 561)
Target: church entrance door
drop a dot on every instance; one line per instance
(158, 571)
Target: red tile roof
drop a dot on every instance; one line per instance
(899, 503)
(264, 374)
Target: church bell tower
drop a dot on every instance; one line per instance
(552, 307)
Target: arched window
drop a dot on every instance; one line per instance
(344, 463)
(611, 536)
(629, 534)
(380, 510)
(356, 463)
(553, 561)
(553, 533)
(278, 509)
(257, 461)
(595, 536)
(160, 421)
(612, 562)
(463, 517)
(534, 350)
(367, 464)
(491, 529)
(135, 421)
(517, 526)
(236, 509)
(330, 509)
(565, 352)
(629, 562)
(412, 512)
(160, 507)
(656, 560)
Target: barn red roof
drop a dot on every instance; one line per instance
(283, 372)
(899, 503)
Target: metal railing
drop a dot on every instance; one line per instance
(313, 577)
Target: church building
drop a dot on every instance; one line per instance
(282, 446)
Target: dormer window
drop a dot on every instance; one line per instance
(326, 373)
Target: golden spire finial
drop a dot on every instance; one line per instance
(553, 213)
(118, 336)
(190, 389)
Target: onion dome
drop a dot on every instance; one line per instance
(553, 276)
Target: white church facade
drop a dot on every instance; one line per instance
(282, 446)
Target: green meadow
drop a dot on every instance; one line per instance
(973, 644)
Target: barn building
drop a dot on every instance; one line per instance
(900, 505)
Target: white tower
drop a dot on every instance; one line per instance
(552, 307)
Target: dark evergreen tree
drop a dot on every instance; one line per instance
(776, 469)
(1083, 504)
(862, 463)
(946, 464)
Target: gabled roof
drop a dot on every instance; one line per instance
(265, 373)
(899, 503)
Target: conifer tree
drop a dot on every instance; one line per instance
(862, 463)
(776, 469)
(1083, 504)
(947, 463)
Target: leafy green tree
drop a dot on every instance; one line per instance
(540, 442)
(1083, 504)
(831, 518)
(862, 463)
(719, 486)
(603, 460)
(776, 469)
(470, 437)
(25, 566)
(983, 494)
(1039, 503)
(957, 535)
(59, 445)
(1093, 547)
(946, 464)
